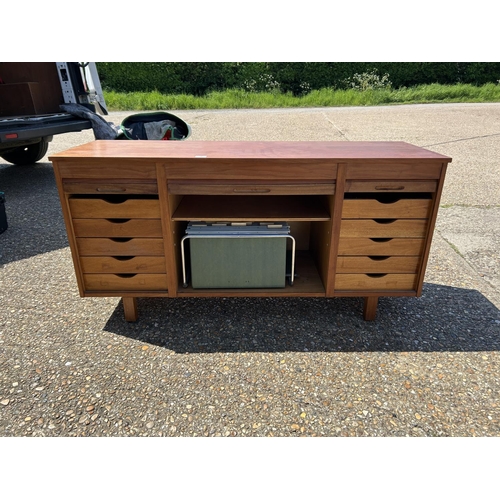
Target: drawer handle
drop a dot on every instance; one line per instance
(389, 188)
(111, 190)
(381, 240)
(122, 257)
(118, 221)
(115, 199)
(378, 257)
(388, 201)
(125, 275)
(251, 190)
(120, 240)
(376, 275)
(384, 221)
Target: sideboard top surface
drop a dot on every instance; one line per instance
(326, 150)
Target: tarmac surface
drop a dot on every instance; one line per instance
(427, 366)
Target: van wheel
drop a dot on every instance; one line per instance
(26, 155)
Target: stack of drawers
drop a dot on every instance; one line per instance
(119, 240)
(382, 238)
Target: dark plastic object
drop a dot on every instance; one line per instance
(135, 127)
(3, 216)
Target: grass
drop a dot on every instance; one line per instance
(240, 99)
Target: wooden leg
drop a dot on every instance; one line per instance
(370, 308)
(130, 308)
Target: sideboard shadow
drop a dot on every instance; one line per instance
(444, 319)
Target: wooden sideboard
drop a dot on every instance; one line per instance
(362, 214)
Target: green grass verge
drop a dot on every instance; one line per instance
(239, 99)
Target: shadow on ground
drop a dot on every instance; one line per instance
(443, 319)
(34, 215)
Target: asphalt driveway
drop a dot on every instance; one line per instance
(263, 367)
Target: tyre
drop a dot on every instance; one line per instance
(25, 155)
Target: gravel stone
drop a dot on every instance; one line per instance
(232, 367)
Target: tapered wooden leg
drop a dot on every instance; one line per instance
(130, 308)
(370, 308)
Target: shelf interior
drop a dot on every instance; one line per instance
(307, 283)
(256, 208)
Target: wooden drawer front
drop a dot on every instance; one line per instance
(391, 186)
(374, 282)
(374, 209)
(381, 246)
(119, 207)
(111, 187)
(383, 228)
(252, 169)
(116, 228)
(119, 246)
(149, 265)
(378, 264)
(404, 170)
(124, 282)
(179, 187)
(99, 168)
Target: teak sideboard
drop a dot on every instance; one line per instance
(362, 214)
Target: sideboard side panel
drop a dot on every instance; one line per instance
(68, 221)
(430, 229)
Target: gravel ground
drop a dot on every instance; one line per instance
(262, 367)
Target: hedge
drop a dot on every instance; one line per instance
(199, 78)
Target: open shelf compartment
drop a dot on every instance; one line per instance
(258, 208)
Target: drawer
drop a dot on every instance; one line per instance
(381, 246)
(233, 166)
(109, 187)
(114, 207)
(149, 265)
(125, 282)
(391, 186)
(378, 264)
(120, 246)
(233, 188)
(383, 228)
(372, 282)
(390, 208)
(113, 228)
(137, 169)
